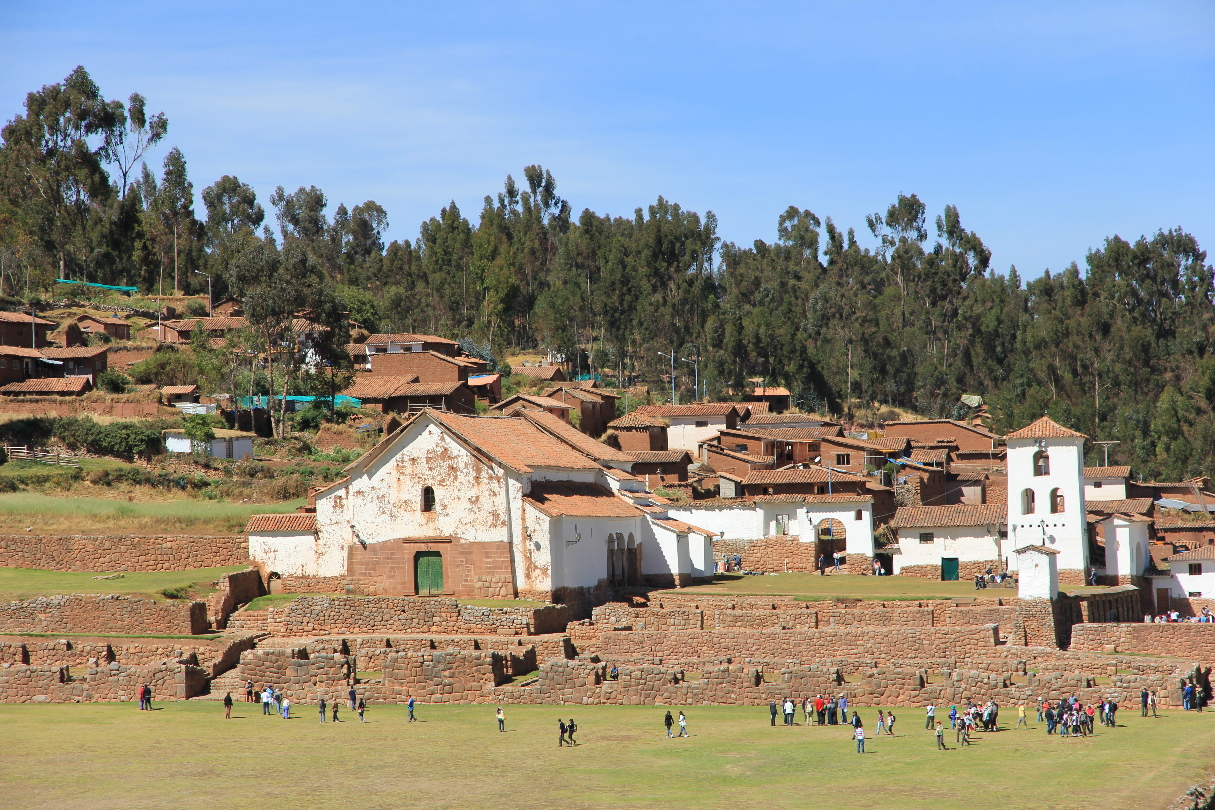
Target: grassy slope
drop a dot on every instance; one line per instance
(27, 583)
(49, 514)
(187, 756)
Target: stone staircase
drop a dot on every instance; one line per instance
(248, 621)
(221, 685)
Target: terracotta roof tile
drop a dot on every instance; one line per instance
(385, 386)
(1107, 472)
(515, 442)
(408, 337)
(539, 402)
(1202, 553)
(56, 353)
(49, 385)
(1134, 506)
(951, 422)
(739, 455)
(578, 500)
(538, 372)
(813, 475)
(696, 409)
(20, 317)
(773, 419)
(930, 456)
(659, 456)
(20, 351)
(286, 522)
(1177, 524)
(682, 527)
(890, 445)
(637, 420)
(914, 517)
(771, 391)
(789, 434)
(170, 390)
(1045, 428)
(564, 431)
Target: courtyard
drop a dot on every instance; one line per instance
(185, 755)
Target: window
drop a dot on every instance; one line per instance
(820, 489)
(927, 537)
(1195, 594)
(843, 459)
(1056, 501)
(740, 448)
(1096, 485)
(428, 499)
(1027, 501)
(702, 423)
(1195, 569)
(860, 515)
(1041, 463)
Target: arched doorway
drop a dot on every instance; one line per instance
(428, 573)
(611, 559)
(632, 557)
(831, 537)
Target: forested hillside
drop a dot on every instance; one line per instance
(1117, 345)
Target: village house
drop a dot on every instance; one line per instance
(427, 365)
(175, 394)
(67, 335)
(404, 394)
(486, 506)
(635, 432)
(48, 387)
(752, 418)
(407, 342)
(784, 445)
(1186, 575)
(20, 329)
(228, 308)
(547, 373)
(596, 408)
(486, 387)
(116, 328)
(861, 455)
(689, 425)
(969, 439)
(528, 402)
(949, 542)
(18, 363)
(920, 484)
(1105, 483)
(777, 398)
(735, 462)
(230, 444)
(1184, 531)
(659, 466)
(182, 330)
(86, 361)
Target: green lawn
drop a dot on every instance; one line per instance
(187, 756)
(49, 514)
(27, 583)
(832, 586)
(278, 600)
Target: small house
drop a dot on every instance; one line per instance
(233, 444)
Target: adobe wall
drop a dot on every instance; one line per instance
(107, 683)
(967, 569)
(121, 552)
(473, 570)
(104, 614)
(330, 615)
(1191, 640)
(235, 589)
(778, 553)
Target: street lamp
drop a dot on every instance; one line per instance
(671, 357)
(209, 300)
(695, 361)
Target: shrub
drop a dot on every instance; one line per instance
(113, 382)
(175, 592)
(124, 440)
(196, 309)
(166, 366)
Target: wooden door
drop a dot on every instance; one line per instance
(428, 573)
(1163, 600)
(949, 568)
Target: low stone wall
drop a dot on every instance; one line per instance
(302, 584)
(1190, 640)
(235, 589)
(121, 552)
(330, 615)
(770, 554)
(112, 682)
(967, 569)
(102, 615)
(214, 657)
(299, 674)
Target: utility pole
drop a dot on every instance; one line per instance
(695, 361)
(175, 287)
(210, 300)
(671, 357)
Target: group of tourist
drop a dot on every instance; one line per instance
(669, 722)
(272, 697)
(145, 698)
(1071, 718)
(1204, 617)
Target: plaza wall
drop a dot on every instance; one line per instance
(104, 614)
(121, 552)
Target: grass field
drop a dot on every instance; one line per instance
(27, 583)
(48, 514)
(187, 756)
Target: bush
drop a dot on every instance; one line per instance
(166, 366)
(124, 440)
(309, 419)
(113, 382)
(196, 309)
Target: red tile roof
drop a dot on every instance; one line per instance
(890, 445)
(386, 386)
(564, 431)
(56, 353)
(1045, 428)
(637, 420)
(1133, 506)
(581, 394)
(951, 422)
(67, 386)
(515, 442)
(738, 454)
(171, 390)
(578, 500)
(771, 391)
(813, 475)
(843, 498)
(538, 372)
(226, 323)
(696, 409)
(287, 522)
(20, 351)
(926, 517)
(1201, 553)
(930, 456)
(810, 434)
(408, 337)
(659, 456)
(483, 379)
(1107, 472)
(785, 418)
(539, 402)
(19, 317)
(682, 527)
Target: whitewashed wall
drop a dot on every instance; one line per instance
(966, 543)
(292, 554)
(1065, 532)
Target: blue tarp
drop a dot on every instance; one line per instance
(585, 377)
(295, 403)
(127, 290)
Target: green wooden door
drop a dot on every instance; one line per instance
(428, 573)
(949, 568)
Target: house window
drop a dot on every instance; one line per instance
(1041, 463)
(1056, 501)
(1027, 501)
(1195, 569)
(740, 448)
(702, 423)
(428, 499)
(927, 537)
(820, 489)
(1194, 594)
(843, 459)
(1096, 485)
(859, 515)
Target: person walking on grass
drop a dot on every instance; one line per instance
(323, 707)
(286, 708)
(353, 697)
(362, 708)
(772, 710)
(881, 723)
(561, 728)
(1153, 702)
(683, 725)
(1021, 721)
(228, 706)
(571, 728)
(890, 718)
(930, 716)
(501, 719)
(822, 565)
(858, 733)
(668, 721)
(248, 691)
(412, 719)
(941, 736)
(336, 703)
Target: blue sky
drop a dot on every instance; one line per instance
(1050, 125)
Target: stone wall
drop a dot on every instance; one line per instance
(214, 657)
(307, 584)
(967, 569)
(299, 674)
(105, 614)
(1192, 640)
(121, 552)
(329, 615)
(778, 553)
(108, 682)
(235, 589)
